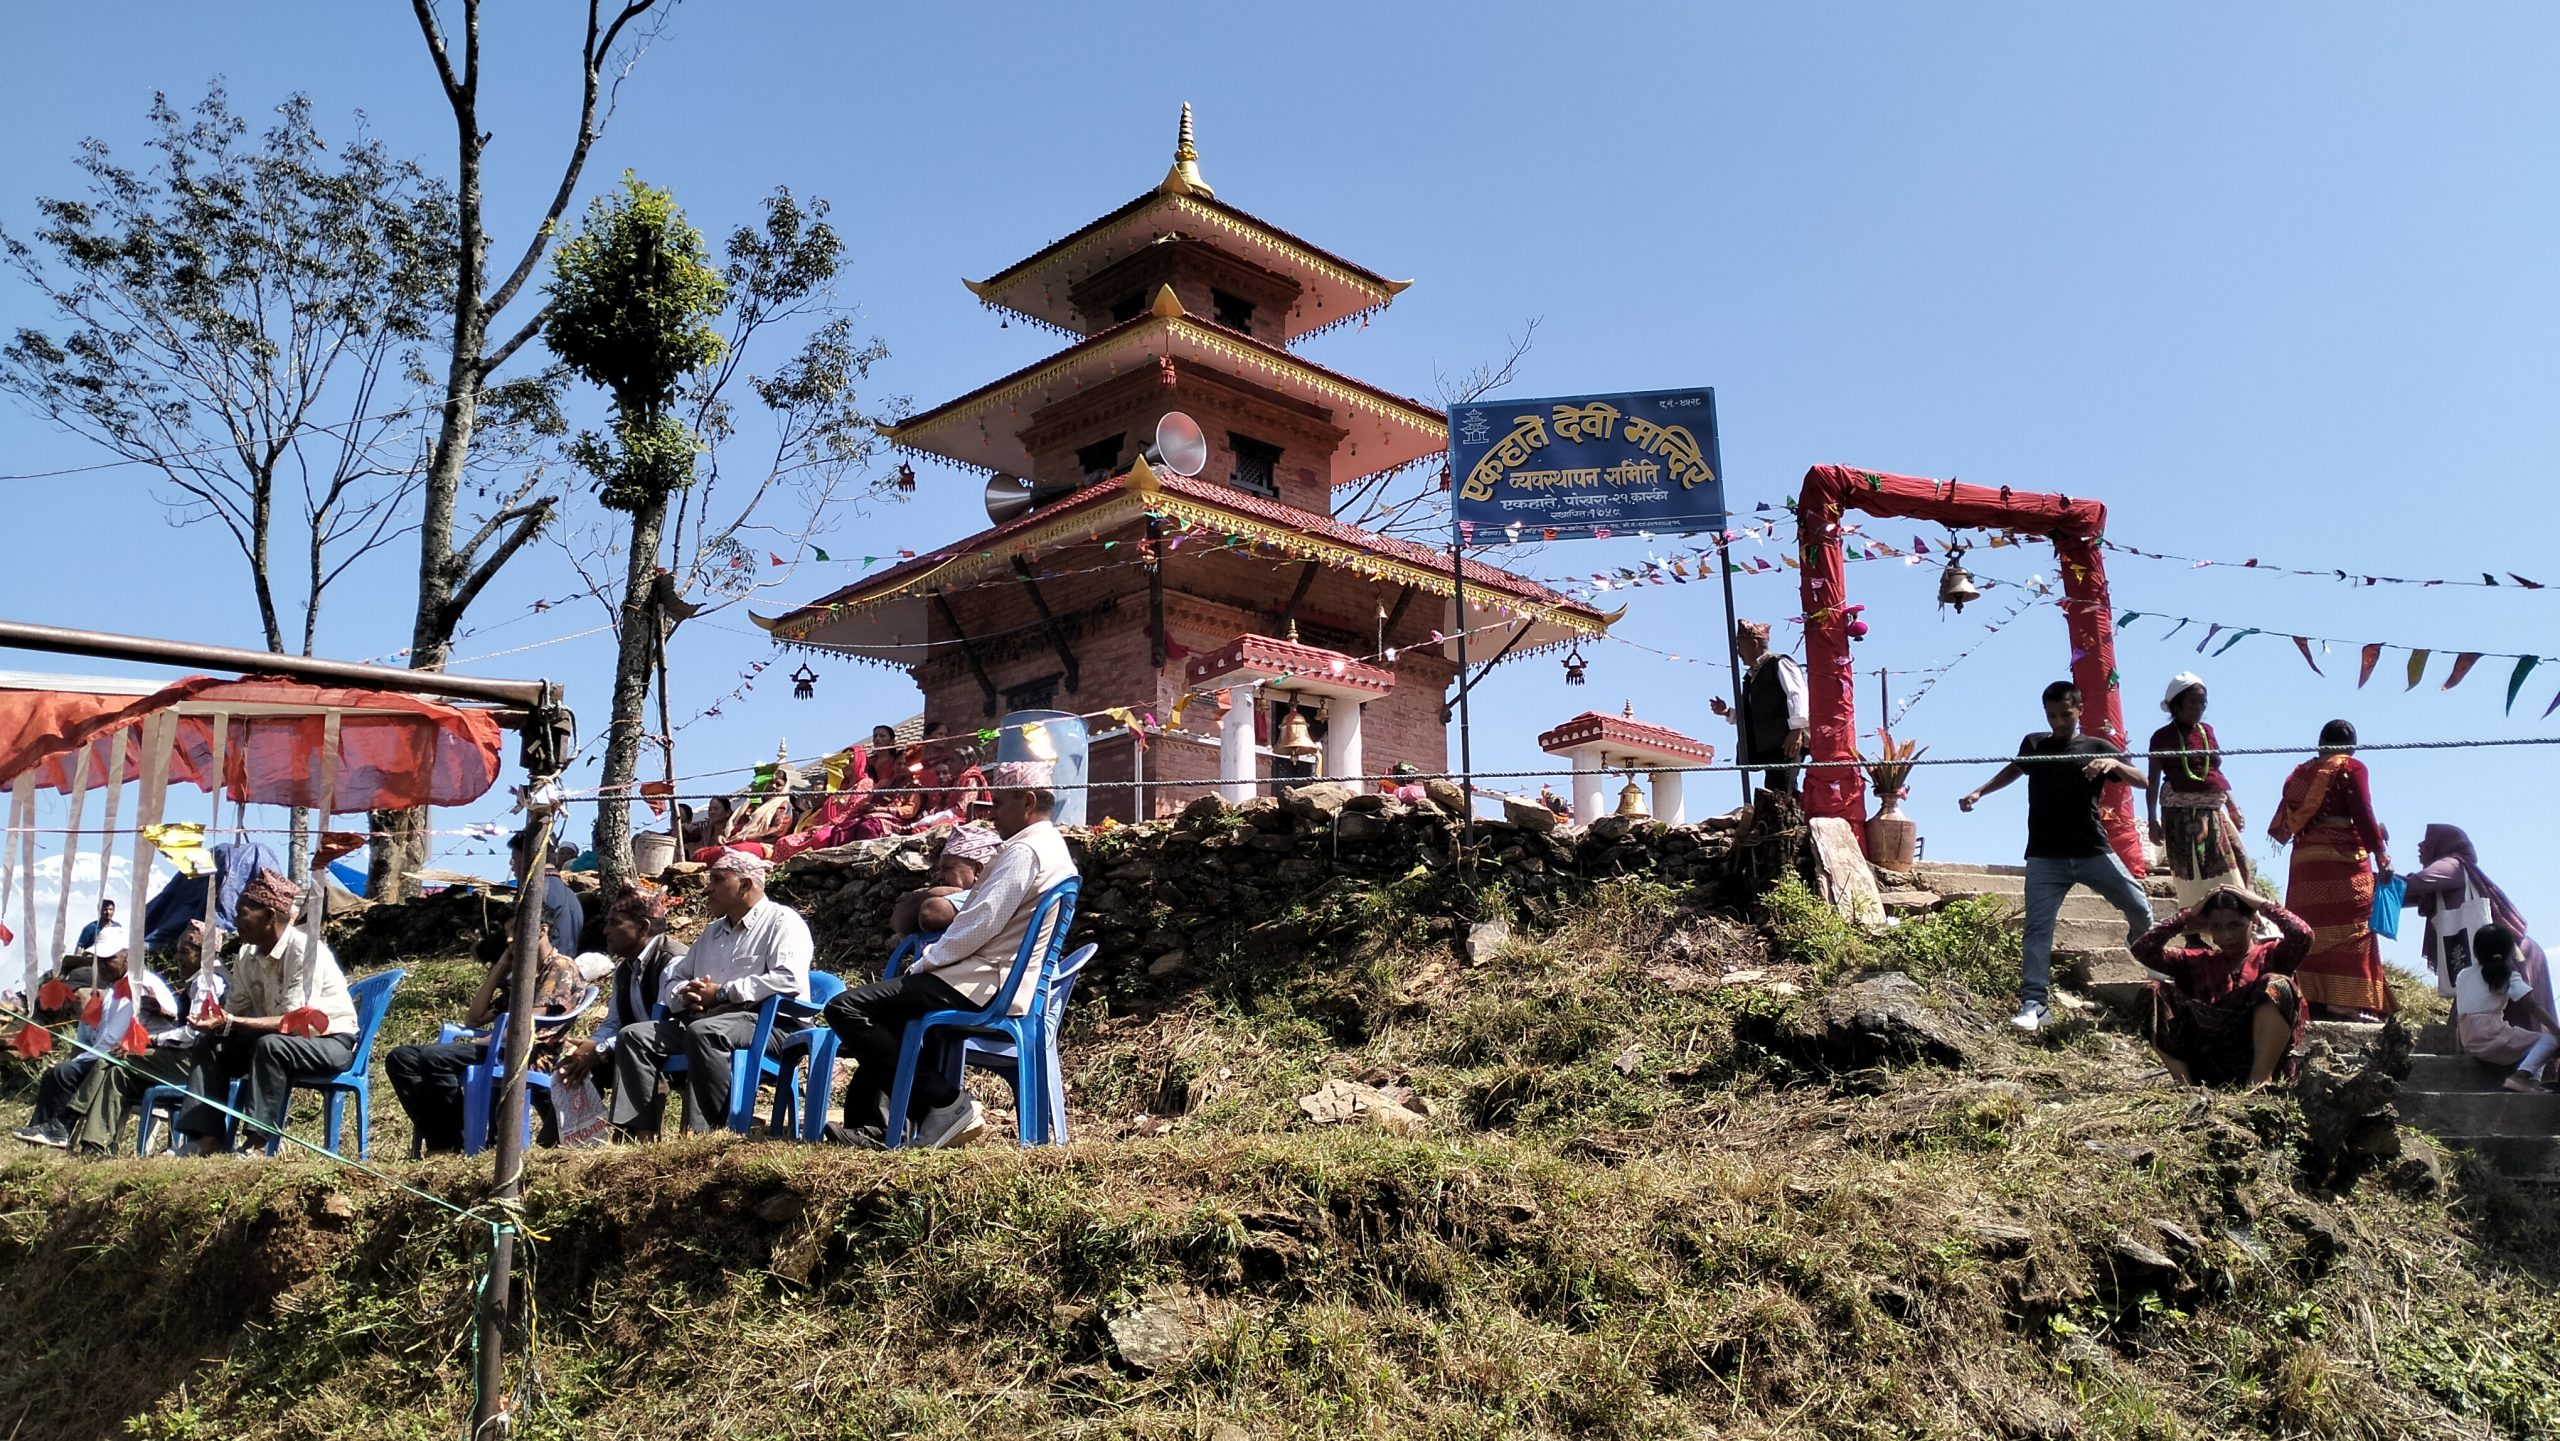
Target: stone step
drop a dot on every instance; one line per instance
(2531, 1160)
(2435, 1038)
(2482, 1113)
(2011, 881)
(2454, 1074)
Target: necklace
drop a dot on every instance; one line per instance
(2194, 742)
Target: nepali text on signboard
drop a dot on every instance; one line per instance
(1587, 465)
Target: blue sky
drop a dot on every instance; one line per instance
(2272, 281)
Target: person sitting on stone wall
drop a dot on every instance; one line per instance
(753, 948)
(428, 1079)
(277, 972)
(959, 971)
(2229, 1012)
(933, 906)
(635, 936)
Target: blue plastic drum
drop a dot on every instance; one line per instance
(1059, 739)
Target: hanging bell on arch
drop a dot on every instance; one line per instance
(1955, 583)
(1296, 741)
(1631, 804)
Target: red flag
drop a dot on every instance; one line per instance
(31, 1041)
(305, 1021)
(2303, 645)
(2462, 665)
(2364, 672)
(96, 1011)
(655, 793)
(8, 937)
(53, 995)
(338, 843)
(136, 1038)
(777, 560)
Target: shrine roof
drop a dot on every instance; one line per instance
(1627, 735)
(827, 623)
(1289, 665)
(1385, 431)
(1332, 290)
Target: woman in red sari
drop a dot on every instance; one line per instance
(2327, 815)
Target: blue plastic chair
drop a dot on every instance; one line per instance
(480, 1081)
(794, 1103)
(1029, 1032)
(747, 1061)
(175, 1098)
(1042, 1118)
(372, 997)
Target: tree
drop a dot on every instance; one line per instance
(236, 317)
(453, 568)
(812, 438)
(633, 295)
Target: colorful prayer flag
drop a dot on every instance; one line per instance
(2418, 667)
(2515, 682)
(2364, 670)
(2462, 665)
(2303, 645)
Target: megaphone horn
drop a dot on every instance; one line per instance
(1180, 446)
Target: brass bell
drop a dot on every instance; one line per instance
(1631, 804)
(1955, 584)
(1296, 741)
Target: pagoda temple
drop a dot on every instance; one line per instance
(1230, 605)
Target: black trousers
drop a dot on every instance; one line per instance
(268, 1065)
(54, 1090)
(1781, 776)
(871, 1021)
(428, 1079)
(705, 1042)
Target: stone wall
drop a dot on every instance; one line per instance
(1161, 895)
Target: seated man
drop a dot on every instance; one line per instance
(428, 1079)
(960, 971)
(563, 914)
(753, 948)
(2229, 1011)
(99, 1107)
(277, 972)
(933, 906)
(635, 936)
(106, 1013)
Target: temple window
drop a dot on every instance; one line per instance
(1033, 694)
(1257, 465)
(1122, 312)
(1100, 460)
(1232, 311)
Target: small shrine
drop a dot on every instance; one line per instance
(1165, 548)
(1600, 744)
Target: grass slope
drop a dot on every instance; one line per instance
(1627, 1216)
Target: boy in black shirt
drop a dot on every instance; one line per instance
(2066, 842)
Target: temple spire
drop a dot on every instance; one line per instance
(1184, 178)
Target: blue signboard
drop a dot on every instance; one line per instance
(1586, 466)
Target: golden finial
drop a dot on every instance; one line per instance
(1167, 304)
(1184, 178)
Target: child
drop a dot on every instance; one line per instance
(2480, 996)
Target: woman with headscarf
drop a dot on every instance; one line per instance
(2338, 846)
(2456, 899)
(2192, 814)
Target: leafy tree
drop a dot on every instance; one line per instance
(454, 567)
(236, 316)
(633, 296)
(797, 436)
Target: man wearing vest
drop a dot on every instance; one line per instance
(960, 971)
(1774, 717)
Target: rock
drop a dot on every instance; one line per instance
(1373, 803)
(1484, 938)
(1877, 1019)
(2140, 1258)
(1848, 882)
(1229, 1431)
(1319, 798)
(1208, 809)
(1448, 795)
(1531, 816)
(1169, 963)
(1352, 827)
(1161, 1333)
(782, 1208)
(1629, 1060)
(1997, 1238)
(2419, 1170)
(1908, 902)
(333, 1211)
(1340, 1102)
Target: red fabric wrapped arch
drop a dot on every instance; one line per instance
(2074, 525)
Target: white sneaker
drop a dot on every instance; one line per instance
(956, 1124)
(2031, 1017)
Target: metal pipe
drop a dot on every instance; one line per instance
(61, 640)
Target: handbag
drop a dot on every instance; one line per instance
(2389, 895)
(2452, 926)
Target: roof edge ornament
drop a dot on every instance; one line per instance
(1167, 305)
(1185, 178)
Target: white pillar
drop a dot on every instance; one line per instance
(1666, 799)
(1342, 759)
(1588, 783)
(1236, 768)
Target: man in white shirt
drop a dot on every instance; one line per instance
(281, 971)
(754, 948)
(959, 971)
(116, 1005)
(1774, 717)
